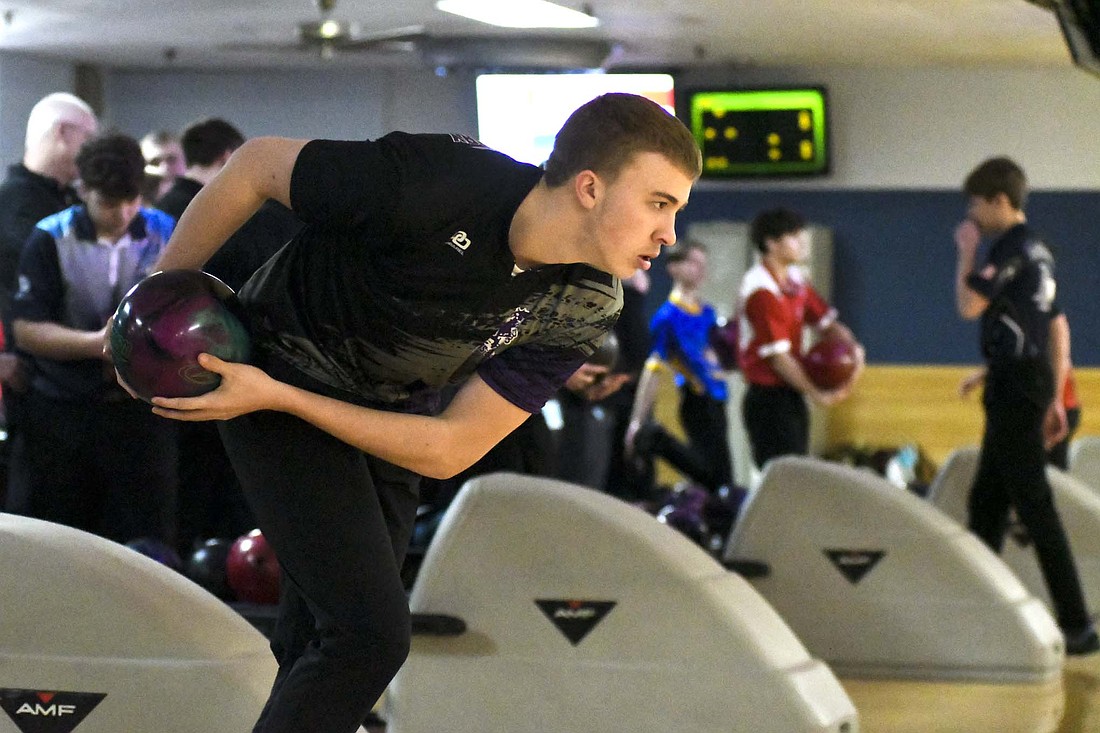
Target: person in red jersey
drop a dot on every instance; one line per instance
(775, 303)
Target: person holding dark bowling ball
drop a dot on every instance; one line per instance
(426, 261)
(774, 304)
(91, 457)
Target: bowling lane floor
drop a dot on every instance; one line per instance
(1067, 705)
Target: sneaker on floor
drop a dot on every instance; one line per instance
(1082, 642)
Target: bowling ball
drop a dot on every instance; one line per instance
(207, 567)
(608, 352)
(690, 496)
(424, 528)
(830, 363)
(164, 322)
(686, 520)
(156, 550)
(723, 340)
(252, 570)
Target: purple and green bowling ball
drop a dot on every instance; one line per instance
(162, 325)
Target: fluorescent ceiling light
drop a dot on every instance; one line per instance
(519, 13)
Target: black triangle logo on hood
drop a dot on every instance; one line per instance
(574, 618)
(46, 711)
(854, 564)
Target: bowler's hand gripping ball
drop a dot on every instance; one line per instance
(164, 322)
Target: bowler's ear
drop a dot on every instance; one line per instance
(587, 188)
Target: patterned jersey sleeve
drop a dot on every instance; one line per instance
(530, 373)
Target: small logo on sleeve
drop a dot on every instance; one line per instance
(42, 711)
(459, 242)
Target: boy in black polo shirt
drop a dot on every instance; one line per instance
(426, 260)
(1013, 292)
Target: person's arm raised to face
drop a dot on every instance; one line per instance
(970, 303)
(259, 170)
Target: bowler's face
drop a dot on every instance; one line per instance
(635, 214)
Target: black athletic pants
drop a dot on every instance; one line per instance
(777, 421)
(210, 501)
(339, 522)
(706, 457)
(1012, 474)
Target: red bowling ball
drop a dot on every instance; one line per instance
(164, 322)
(252, 570)
(830, 363)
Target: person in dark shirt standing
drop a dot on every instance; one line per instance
(207, 146)
(36, 187)
(1013, 293)
(425, 261)
(41, 184)
(163, 162)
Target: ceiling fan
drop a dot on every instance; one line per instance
(329, 37)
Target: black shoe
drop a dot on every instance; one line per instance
(1082, 642)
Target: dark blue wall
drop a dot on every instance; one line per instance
(894, 264)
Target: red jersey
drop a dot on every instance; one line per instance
(772, 319)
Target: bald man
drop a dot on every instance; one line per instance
(39, 186)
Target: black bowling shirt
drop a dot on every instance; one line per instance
(402, 280)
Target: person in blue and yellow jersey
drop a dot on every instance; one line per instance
(680, 331)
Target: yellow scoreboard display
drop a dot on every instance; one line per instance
(761, 132)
